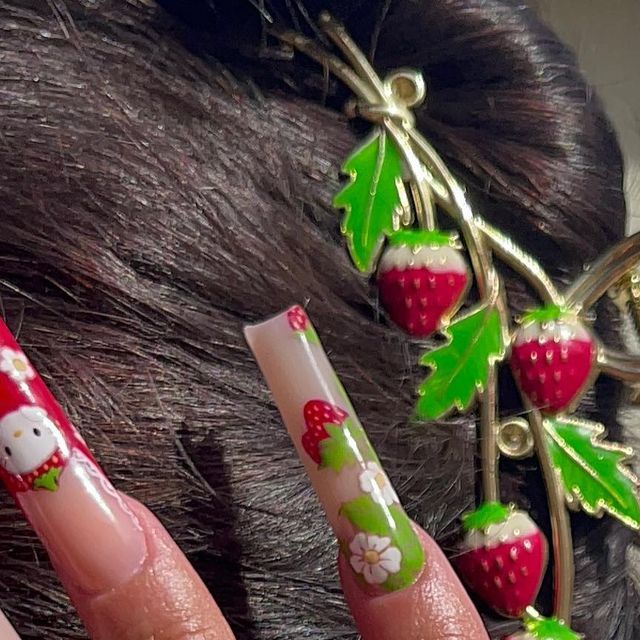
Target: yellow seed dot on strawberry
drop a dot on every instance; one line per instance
(499, 562)
(513, 554)
(498, 582)
(512, 577)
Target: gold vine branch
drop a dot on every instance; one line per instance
(388, 103)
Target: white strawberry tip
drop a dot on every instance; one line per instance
(517, 525)
(438, 259)
(552, 331)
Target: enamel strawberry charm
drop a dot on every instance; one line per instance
(422, 279)
(504, 558)
(398, 195)
(552, 358)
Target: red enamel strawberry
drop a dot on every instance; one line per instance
(317, 414)
(552, 358)
(422, 279)
(504, 558)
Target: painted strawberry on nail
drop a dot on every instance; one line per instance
(317, 414)
(504, 558)
(301, 325)
(422, 279)
(552, 358)
(297, 318)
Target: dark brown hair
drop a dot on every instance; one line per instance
(167, 176)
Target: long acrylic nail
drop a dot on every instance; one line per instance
(88, 530)
(7, 632)
(374, 532)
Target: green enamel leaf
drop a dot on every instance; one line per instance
(371, 198)
(542, 628)
(460, 367)
(485, 515)
(392, 522)
(423, 237)
(592, 470)
(544, 314)
(338, 450)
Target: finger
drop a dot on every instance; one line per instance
(381, 551)
(7, 632)
(98, 543)
(435, 607)
(164, 600)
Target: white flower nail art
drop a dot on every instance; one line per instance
(374, 480)
(374, 558)
(15, 365)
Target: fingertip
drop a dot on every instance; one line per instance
(165, 599)
(435, 607)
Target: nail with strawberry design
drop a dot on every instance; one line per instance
(396, 580)
(376, 537)
(46, 465)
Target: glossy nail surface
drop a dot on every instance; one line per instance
(375, 534)
(7, 632)
(88, 530)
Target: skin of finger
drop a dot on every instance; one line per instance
(165, 600)
(435, 607)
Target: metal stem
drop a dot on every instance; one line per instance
(489, 452)
(618, 365)
(604, 273)
(523, 263)
(339, 36)
(458, 207)
(342, 71)
(424, 210)
(564, 571)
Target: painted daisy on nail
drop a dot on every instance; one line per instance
(374, 558)
(374, 481)
(15, 365)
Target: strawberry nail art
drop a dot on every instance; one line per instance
(299, 322)
(36, 439)
(375, 534)
(46, 465)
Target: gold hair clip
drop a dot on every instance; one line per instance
(398, 194)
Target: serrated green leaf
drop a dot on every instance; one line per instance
(460, 367)
(338, 450)
(592, 470)
(371, 198)
(542, 628)
(373, 518)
